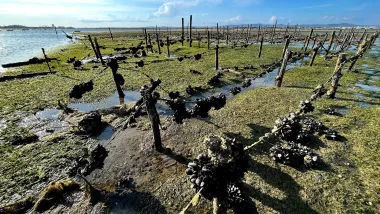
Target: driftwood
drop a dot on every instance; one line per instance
(24, 76)
(31, 61)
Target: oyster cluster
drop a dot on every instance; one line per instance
(306, 107)
(288, 128)
(78, 90)
(235, 90)
(215, 79)
(294, 154)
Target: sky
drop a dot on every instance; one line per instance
(143, 13)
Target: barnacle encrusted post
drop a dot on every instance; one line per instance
(119, 80)
(150, 99)
(337, 75)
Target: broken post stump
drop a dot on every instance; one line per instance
(46, 59)
(337, 75)
(116, 77)
(150, 103)
(281, 73)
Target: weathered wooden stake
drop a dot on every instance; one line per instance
(308, 39)
(93, 47)
(258, 35)
(158, 44)
(330, 44)
(168, 44)
(217, 57)
(261, 46)
(315, 53)
(274, 31)
(285, 48)
(191, 27)
(98, 50)
(154, 118)
(199, 40)
(183, 31)
(337, 75)
(46, 59)
(227, 36)
(281, 73)
(146, 37)
(114, 66)
(150, 43)
(110, 33)
(208, 40)
(217, 32)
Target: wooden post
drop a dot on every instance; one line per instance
(308, 39)
(208, 40)
(274, 31)
(114, 66)
(217, 32)
(199, 40)
(315, 41)
(261, 46)
(191, 27)
(295, 30)
(98, 50)
(281, 73)
(316, 49)
(217, 57)
(183, 31)
(361, 38)
(258, 34)
(146, 37)
(154, 118)
(93, 47)
(285, 48)
(110, 33)
(46, 59)
(227, 36)
(150, 43)
(330, 43)
(168, 44)
(158, 44)
(337, 75)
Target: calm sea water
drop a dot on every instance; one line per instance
(21, 45)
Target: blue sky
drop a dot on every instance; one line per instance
(140, 13)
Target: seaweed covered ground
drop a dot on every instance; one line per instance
(349, 183)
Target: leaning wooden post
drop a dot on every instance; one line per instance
(361, 38)
(281, 73)
(114, 66)
(183, 31)
(46, 59)
(191, 27)
(308, 39)
(261, 46)
(150, 103)
(316, 49)
(208, 40)
(98, 50)
(330, 43)
(217, 57)
(168, 44)
(285, 48)
(158, 44)
(337, 75)
(110, 33)
(93, 47)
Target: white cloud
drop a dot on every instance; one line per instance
(97, 18)
(204, 14)
(172, 8)
(234, 19)
(272, 19)
(329, 17)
